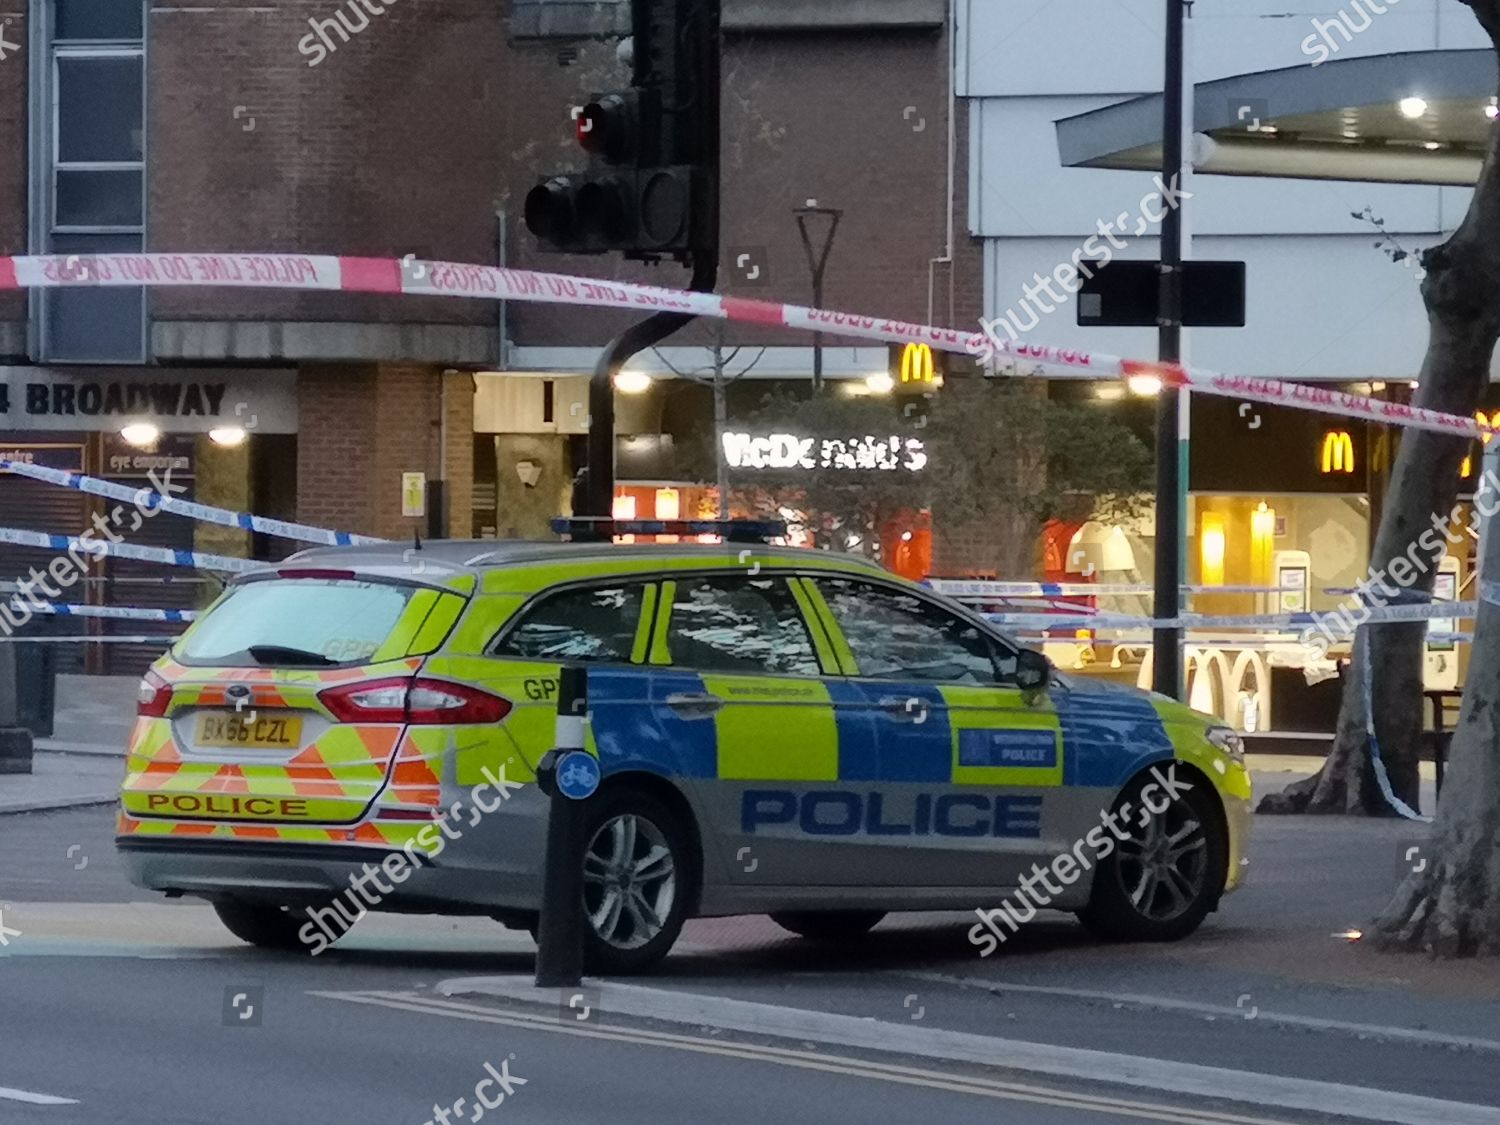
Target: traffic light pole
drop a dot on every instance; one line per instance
(599, 477)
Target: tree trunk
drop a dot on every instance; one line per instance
(1449, 906)
(1462, 294)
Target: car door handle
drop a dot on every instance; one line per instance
(906, 708)
(695, 705)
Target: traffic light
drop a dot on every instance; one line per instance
(651, 187)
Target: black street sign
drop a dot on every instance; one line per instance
(1126, 294)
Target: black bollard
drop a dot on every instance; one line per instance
(559, 958)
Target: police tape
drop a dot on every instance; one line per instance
(965, 589)
(149, 499)
(1381, 615)
(1142, 638)
(107, 612)
(411, 277)
(98, 548)
(159, 638)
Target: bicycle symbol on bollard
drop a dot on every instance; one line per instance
(578, 775)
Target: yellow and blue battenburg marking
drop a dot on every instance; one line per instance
(809, 731)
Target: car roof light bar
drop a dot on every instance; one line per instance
(585, 528)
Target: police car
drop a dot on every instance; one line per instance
(777, 731)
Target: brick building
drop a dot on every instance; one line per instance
(416, 127)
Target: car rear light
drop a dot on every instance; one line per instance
(153, 697)
(438, 701)
(418, 701)
(374, 701)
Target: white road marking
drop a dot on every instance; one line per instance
(34, 1099)
(977, 1086)
(1264, 1091)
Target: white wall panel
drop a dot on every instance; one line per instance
(1033, 47)
(1318, 308)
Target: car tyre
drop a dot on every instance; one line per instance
(1163, 879)
(639, 874)
(828, 925)
(270, 926)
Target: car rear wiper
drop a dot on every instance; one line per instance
(280, 656)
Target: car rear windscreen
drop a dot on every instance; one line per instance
(296, 622)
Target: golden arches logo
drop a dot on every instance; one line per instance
(917, 365)
(1338, 452)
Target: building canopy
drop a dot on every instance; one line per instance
(1416, 117)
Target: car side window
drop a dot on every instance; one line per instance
(745, 625)
(899, 636)
(597, 624)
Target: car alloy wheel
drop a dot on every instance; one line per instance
(1163, 863)
(629, 881)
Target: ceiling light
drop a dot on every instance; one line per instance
(1109, 392)
(1432, 145)
(633, 382)
(140, 434)
(1412, 107)
(227, 435)
(1492, 110)
(880, 383)
(1144, 385)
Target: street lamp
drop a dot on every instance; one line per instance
(817, 263)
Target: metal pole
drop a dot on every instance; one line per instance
(559, 954)
(599, 476)
(721, 424)
(817, 372)
(1167, 643)
(818, 264)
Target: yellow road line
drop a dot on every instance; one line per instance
(805, 1060)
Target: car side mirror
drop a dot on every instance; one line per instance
(1033, 670)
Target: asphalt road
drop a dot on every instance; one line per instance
(141, 1012)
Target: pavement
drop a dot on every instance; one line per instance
(84, 760)
(93, 712)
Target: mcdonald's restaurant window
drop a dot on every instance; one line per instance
(1250, 446)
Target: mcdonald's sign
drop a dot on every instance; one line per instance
(917, 365)
(1338, 452)
(916, 368)
(1484, 420)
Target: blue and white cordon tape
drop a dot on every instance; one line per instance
(1378, 616)
(149, 500)
(966, 588)
(110, 612)
(159, 639)
(101, 547)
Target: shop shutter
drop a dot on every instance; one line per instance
(135, 583)
(34, 506)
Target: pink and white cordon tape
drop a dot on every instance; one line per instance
(414, 277)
